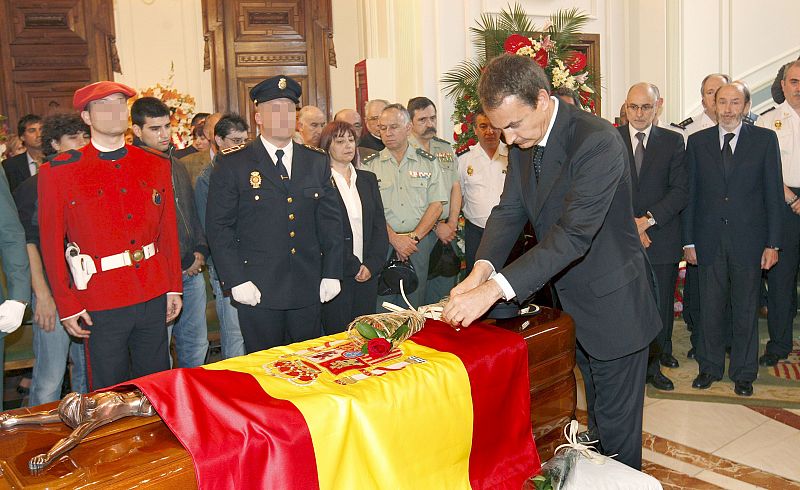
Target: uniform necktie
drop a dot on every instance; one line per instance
(638, 155)
(538, 154)
(727, 154)
(282, 168)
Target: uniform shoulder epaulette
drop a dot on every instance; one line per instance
(440, 140)
(314, 148)
(462, 151)
(425, 154)
(769, 110)
(370, 158)
(683, 123)
(232, 149)
(747, 119)
(65, 157)
(154, 151)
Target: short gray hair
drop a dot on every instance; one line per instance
(703, 83)
(795, 63)
(399, 108)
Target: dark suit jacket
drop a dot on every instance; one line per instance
(370, 141)
(748, 204)
(17, 170)
(373, 223)
(283, 240)
(662, 188)
(581, 212)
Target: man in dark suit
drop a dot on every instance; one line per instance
(732, 230)
(568, 175)
(274, 226)
(22, 166)
(660, 186)
(370, 141)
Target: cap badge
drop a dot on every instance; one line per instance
(282, 84)
(255, 179)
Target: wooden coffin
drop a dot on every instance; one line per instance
(136, 452)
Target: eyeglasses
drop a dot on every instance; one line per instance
(236, 141)
(644, 108)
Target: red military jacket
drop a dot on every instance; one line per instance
(108, 203)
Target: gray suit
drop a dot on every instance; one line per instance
(14, 256)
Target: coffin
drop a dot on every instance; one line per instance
(143, 452)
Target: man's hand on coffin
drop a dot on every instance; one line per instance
(328, 289)
(174, 305)
(73, 326)
(463, 309)
(246, 293)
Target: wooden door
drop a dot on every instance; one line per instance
(50, 48)
(251, 40)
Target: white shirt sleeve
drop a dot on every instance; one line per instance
(508, 291)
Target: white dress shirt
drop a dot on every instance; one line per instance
(723, 132)
(785, 121)
(635, 140)
(352, 203)
(32, 166)
(288, 151)
(482, 179)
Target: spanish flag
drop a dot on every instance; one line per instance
(443, 410)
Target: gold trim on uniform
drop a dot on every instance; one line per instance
(778, 124)
(232, 149)
(255, 179)
(470, 170)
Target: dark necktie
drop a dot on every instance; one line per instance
(727, 154)
(538, 154)
(282, 168)
(638, 155)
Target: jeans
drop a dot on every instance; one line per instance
(50, 350)
(191, 329)
(229, 331)
(2, 363)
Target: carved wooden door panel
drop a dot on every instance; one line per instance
(250, 40)
(50, 48)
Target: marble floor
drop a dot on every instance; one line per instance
(702, 445)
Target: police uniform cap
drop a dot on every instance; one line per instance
(98, 90)
(277, 87)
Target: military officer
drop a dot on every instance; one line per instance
(274, 226)
(423, 135)
(785, 121)
(413, 193)
(115, 206)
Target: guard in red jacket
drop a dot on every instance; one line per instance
(113, 206)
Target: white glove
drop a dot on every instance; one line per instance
(246, 293)
(328, 289)
(11, 313)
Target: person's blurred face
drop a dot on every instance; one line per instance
(310, 126)
(710, 90)
(343, 148)
(32, 136)
(640, 106)
(394, 130)
(353, 118)
(488, 135)
(70, 142)
(791, 87)
(374, 111)
(156, 132)
(522, 125)
(423, 123)
(276, 118)
(730, 106)
(234, 138)
(107, 116)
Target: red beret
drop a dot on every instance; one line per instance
(98, 90)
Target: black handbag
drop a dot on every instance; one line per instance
(392, 273)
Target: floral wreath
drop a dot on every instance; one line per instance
(512, 32)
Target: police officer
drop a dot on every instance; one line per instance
(274, 225)
(114, 204)
(782, 295)
(413, 193)
(423, 135)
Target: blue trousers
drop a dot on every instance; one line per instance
(229, 330)
(191, 329)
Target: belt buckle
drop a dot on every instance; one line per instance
(136, 255)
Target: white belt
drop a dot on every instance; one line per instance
(127, 258)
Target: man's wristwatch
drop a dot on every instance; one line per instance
(414, 237)
(650, 220)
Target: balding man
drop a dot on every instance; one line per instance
(372, 137)
(733, 231)
(351, 117)
(660, 186)
(310, 121)
(196, 162)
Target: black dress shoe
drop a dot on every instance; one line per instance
(690, 354)
(661, 382)
(668, 360)
(769, 359)
(743, 388)
(704, 381)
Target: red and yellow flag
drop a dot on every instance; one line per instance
(446, 409)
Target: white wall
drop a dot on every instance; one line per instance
(152, 35)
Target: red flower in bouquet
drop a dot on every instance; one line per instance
(541, 58)
(576, 62)
(514, 42)
(378, 347)
(470, 118)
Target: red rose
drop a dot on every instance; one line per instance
(378, 347)
(514, 42)
(576, 62)
(541, 58)
(471, 142)
(585, 97)
(464, 128)
(470, 118)
(455, 136)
